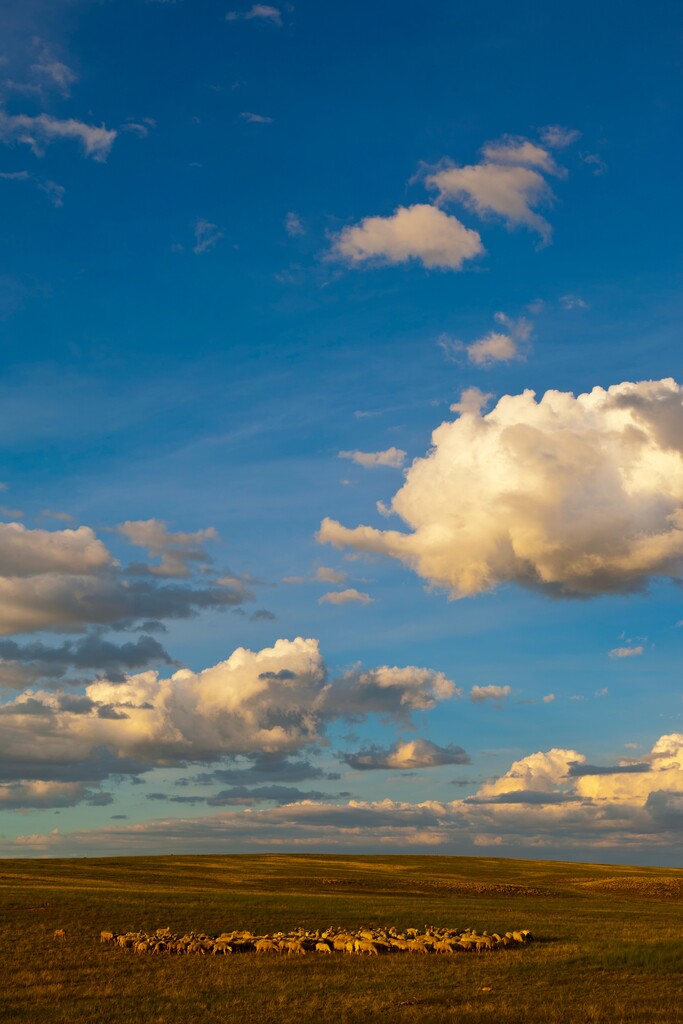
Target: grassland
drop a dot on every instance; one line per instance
(609, 943)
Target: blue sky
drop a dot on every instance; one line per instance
(253, 256)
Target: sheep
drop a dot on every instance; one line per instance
(369, 941)
(265, 946)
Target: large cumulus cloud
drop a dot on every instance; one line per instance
(574, 495)
(265, 704)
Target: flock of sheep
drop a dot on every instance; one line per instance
(368, 941)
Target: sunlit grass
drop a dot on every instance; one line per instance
(608, 946)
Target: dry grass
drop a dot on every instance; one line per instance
(609, 946)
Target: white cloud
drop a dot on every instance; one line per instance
(25, 552)
(38, 132)
(52, 190)
(68, 578)
(391, 692)
(572, 495)
(323, 574)
(258, 12)
(557, 137)
(419, 232)
(266, 703)
(596, 162)
(55, 73)
(206, 235)
(406, 755)
(549, 698)
(506, 190)
(492, 348)
(626, 652)
(393, 457)
(350, 596)
(481, 693)
(177, 551)
(543, 772)
(252, 118)
(573, 302)
(293, 225)
(520, 152)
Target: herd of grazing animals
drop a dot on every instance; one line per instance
(364, 941)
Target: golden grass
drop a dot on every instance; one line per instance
(608, 949)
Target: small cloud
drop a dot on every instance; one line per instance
(557, 137)
(345, 597)
(494, 347)
(11, 513)
(626, 652)
(481, 693)
(602, 692)
(596, 162)
(52, 190)
(206, 235)
(38, 132)
(549, 698)
(392, 457)
(573, 302)
(259, 12)
(325, 575)
(420, 232)
(405, 756)
(135, 128)
(56, 73)
(293, 225)
(252, 118)
(384, 510)
(262, 615)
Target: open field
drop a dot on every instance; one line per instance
(609, 940)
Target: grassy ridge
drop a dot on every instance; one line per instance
(609, 949)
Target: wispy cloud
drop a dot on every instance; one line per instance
(555, 136)
(392, 457)
(627, 652)
(42, 130)
(52, 190)
(257, 12)
(494, 347)
(206, 236)
(252, 118)
(293, 225)
(349, 596)
(573, 302)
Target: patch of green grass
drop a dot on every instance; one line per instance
(608, 946)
